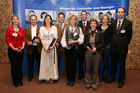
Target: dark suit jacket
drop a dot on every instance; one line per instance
(60, 34)
(123, 36)
(80, 24)
(107, 34)
(99, 42)
(28, 38)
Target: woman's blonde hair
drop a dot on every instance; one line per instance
(76, 19)
(13, 17)
(101, 21)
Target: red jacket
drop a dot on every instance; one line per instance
(16, 38)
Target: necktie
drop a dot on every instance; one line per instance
(84, 27)
(61, 24)
(119, 25)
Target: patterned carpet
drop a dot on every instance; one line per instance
(132, 84)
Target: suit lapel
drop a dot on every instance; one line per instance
(87, 24)
(37, 31)
(81, 24)
(30, 33)
(59, 29)
(115, 22)
(123, 24)
(64, 27)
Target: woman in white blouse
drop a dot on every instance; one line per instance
(72, 37)
(48, 65)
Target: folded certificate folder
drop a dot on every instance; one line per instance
(51, 44)
(89, 44)
(33, 38)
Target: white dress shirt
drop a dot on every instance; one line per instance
(33, 30)
(85, 23)
(61, 26)
(121, 22)
(80, 39)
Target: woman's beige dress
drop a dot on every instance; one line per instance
(48, 63)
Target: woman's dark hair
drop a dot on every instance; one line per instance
(50, 18)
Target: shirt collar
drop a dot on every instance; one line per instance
(120, 19)
(33, 26)
(84, 22)
(61, 23)
(72, 28)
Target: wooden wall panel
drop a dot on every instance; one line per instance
(6, 11)
(133, 57)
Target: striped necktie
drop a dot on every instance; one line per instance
(119, 25)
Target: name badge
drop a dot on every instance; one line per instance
(123, 31)
(15, 34)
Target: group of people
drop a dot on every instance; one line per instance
(85, 41)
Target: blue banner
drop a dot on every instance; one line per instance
(25, 8)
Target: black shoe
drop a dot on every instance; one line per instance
(16, 85)
(30, 79)
(68, 83)
(20, 84)
(120, 84)
(88, 86)
(80, 77)
(110, 80)
(43, 81)
(71, 84)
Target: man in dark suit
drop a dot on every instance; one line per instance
(33, 45)
(61, 25)
(121, 36)
(85, 25)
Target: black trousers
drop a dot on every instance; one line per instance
(118, 54)
(81, 59)
(71, 59)
(105, 56)
(31, 57)
(16, 60)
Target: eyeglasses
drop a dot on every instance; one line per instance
(120, 12)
